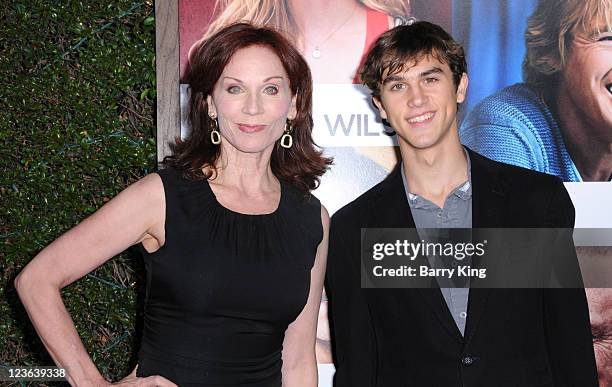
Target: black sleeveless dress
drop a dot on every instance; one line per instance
(224, 287)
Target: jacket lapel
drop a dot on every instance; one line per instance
(488, 211)
(392, 210)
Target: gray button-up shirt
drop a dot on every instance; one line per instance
(457, 213)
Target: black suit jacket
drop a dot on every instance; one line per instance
(407, 337)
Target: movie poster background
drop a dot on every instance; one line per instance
(348, 128)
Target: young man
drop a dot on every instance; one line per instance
(448, 337)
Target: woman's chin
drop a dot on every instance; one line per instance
(251, 146)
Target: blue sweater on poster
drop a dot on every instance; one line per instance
(516, 127)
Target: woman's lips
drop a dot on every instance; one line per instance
(251, 128)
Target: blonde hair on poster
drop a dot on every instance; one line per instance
(277, 13)
(550, 30)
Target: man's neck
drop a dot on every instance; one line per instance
(433, 173)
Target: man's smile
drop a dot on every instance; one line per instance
(421, 118)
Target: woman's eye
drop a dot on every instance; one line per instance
(234, 89)
(272, 90)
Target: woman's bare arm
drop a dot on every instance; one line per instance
(136, 215)
(299, 360)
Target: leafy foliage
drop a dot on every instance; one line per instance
(77, 91)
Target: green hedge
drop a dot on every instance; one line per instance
(77, 91)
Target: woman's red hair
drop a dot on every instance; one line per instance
(302, 164)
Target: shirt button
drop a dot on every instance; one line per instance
(463, 314)
(439, 214)
(467, 360)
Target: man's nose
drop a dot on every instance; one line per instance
(417, 97)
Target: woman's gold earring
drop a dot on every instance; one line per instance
(286, 140)
(215, 136)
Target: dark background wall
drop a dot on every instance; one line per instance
(77, 92)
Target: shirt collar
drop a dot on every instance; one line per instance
(464, 191)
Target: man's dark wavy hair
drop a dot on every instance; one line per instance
(406, 45)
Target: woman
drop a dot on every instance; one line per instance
(334, 37)
(234, 244)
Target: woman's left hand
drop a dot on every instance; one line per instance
(150, 381)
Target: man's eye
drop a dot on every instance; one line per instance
(272, 90)
(431, 80)
(398, 86)
(234, 89)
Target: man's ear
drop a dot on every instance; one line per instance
(379, 105)
(212, 109)
(462, 88)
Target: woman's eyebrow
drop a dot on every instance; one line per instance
(265, 80)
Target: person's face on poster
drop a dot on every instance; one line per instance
(252, 100)
(420, 102)
(600, 311)
(587, 80)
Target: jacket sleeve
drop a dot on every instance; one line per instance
(353, 340)
(566, 313)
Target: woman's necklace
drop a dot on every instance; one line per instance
(316, 52)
